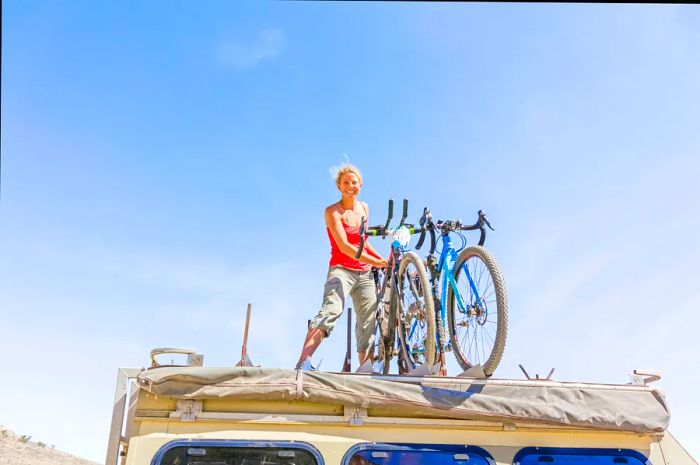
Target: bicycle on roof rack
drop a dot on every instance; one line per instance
(469, 293)
(403, 308)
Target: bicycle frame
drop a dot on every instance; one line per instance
(444, 277)
(390, 277)
(396, 253)
(385, 297)
(387, 287)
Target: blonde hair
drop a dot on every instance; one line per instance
(346, 168)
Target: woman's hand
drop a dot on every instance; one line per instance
(379, 262)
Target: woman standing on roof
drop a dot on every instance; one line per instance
(347, 275)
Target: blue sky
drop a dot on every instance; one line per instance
(165, 163)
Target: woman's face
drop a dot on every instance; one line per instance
(349, 185)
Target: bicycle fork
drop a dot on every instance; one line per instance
(477, 308)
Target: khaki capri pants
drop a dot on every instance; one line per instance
(360, 285)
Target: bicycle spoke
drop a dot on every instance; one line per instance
(491, 340)
(481, 274)
(488, 286)
(473, 344)
(465, 338)
(484, 297)
(415, 329)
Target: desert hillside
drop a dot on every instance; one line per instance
(22, 450)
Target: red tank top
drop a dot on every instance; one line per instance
(338, 258)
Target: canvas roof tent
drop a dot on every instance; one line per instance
(174, 403)
(638, 409)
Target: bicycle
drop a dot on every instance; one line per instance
(402, 306)
(473, 323)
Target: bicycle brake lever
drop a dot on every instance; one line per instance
(361, 246)
(483, 220)
(423, 220)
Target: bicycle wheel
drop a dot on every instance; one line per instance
(478, 328)
(416, 314)
(384, 329)
(386, 334)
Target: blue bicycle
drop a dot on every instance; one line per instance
(469, 295)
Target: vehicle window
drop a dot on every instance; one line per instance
(578, 456)
(236, 453)
(416, 454)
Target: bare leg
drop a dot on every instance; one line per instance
(311, 343)
(362, 357)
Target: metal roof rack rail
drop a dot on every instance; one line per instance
(193, 358)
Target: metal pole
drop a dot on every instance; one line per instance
(244, 349)
(347, 366)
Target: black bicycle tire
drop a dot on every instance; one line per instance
(491, 363)
(386, 333)
(442, 339)
(429, 342)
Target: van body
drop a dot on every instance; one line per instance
(194, 415)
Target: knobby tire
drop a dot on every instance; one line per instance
(415, 303)
(495, 295)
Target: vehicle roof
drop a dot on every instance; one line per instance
(613, 407)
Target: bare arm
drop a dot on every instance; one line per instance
(335, 226)
(371, 250)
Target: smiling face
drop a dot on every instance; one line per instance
(349, 185)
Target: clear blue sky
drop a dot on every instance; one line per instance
(164, 163)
